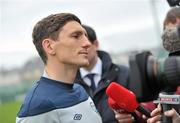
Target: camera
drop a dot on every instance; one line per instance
(173, 2)
(150, 75)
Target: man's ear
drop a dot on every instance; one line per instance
(96, 43)
(48, 46)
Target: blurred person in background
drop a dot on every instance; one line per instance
(171, 38)
(171, 42)
(62, 44)
(96, 77)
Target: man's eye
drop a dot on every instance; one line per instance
(76, 36)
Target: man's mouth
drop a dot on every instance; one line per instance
(85, 54)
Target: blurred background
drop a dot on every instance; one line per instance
(122, 27)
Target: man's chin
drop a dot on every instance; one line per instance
(85, 64)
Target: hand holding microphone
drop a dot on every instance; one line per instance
(122, 98)
(120, 114)
(157, 115)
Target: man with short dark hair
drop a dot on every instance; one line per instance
(62, 44)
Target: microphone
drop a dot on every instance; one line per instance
(113, 104)
(122, 98)
(171, 39)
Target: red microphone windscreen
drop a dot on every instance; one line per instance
(113, 104)
(124, 98)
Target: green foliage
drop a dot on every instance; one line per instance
(8, 112)
(10, 93)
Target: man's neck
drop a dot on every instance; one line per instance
(63, 73)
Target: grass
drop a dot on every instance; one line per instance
(8, 112)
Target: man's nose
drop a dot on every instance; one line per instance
(86, 43)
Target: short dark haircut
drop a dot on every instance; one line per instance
(49, 27)
(172, 15)
(90, 33)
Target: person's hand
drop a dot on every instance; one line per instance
(124, 117)
(172, 113)
(156, 115)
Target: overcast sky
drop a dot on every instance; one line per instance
(121, 25)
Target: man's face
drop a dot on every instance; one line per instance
(71, 47)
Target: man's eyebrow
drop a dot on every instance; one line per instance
(77, 32)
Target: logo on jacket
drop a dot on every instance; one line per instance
(93, 107)
(77, 116)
